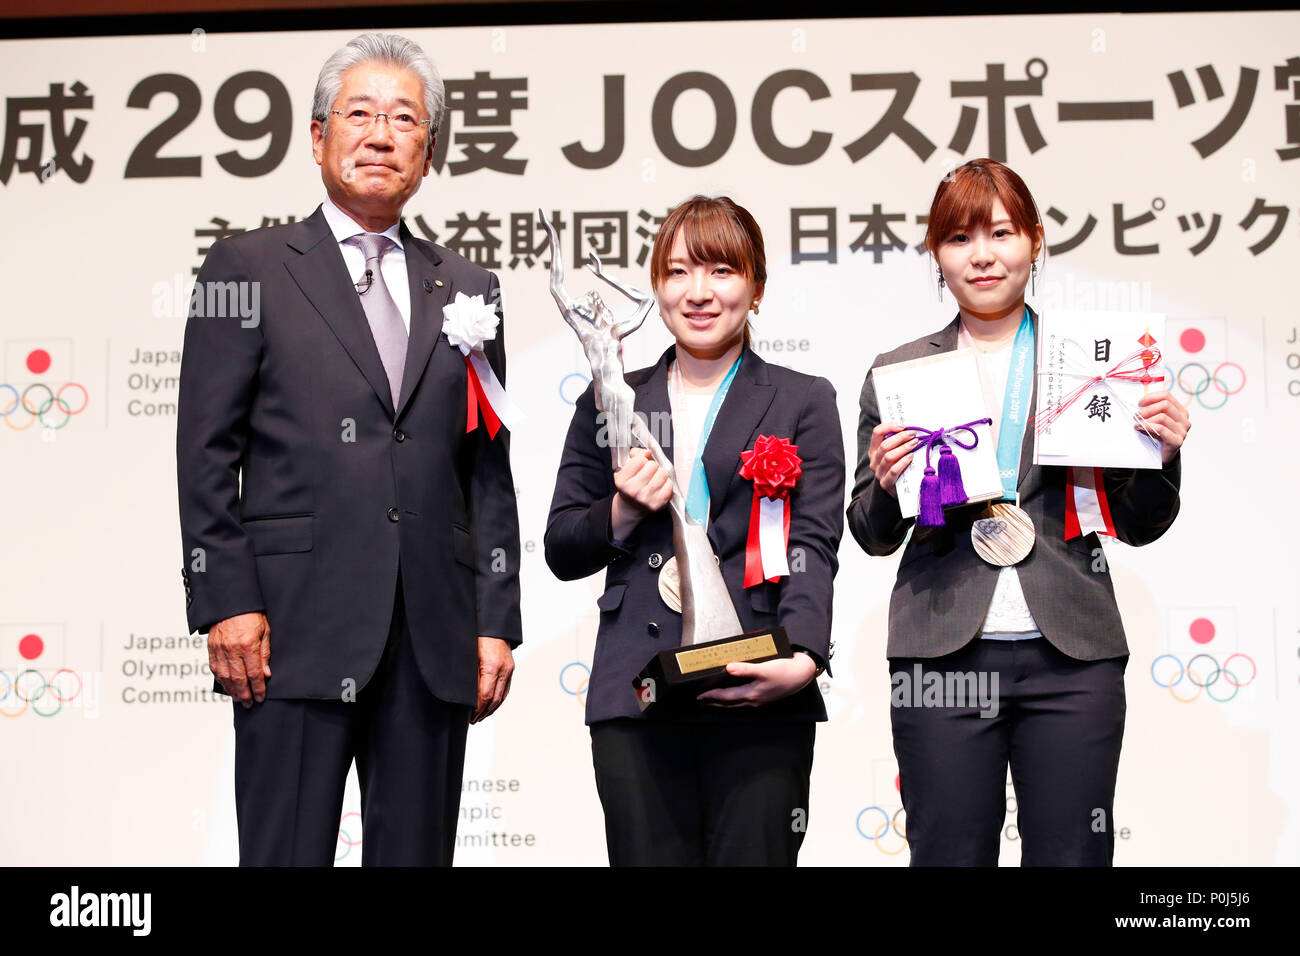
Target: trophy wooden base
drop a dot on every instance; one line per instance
(675, 677)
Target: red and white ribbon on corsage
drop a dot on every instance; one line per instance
(774, 466)
(468, 322)
(1086, 507)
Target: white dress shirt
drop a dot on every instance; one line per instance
(1008, 615)
(394, 261)
(689, 410)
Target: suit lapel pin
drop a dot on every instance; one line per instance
(428, 286)
(438, 283)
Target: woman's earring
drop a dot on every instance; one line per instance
(941, 283)
(754, 308)
(1033, 277)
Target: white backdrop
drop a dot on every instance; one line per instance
(115, 752)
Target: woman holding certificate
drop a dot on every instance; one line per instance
(723, 781)
(991, 598)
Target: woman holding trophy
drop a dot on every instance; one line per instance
(744, 459)
(1027, 609)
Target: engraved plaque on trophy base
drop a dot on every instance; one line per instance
(676, 676)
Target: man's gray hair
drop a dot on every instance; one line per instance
(383, 48)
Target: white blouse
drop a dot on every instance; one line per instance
(1008, 616)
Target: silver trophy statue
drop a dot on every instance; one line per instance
(708, 616)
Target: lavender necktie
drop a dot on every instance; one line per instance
(386, 323)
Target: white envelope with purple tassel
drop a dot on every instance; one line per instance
(940, 400)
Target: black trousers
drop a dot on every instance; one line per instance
(1057, 722)
(703, 794)
(292, 759)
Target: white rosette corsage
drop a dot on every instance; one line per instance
(468, 322)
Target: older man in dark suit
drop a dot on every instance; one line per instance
(351, 547)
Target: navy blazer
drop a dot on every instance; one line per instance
(943, 589)
(635, 623)
(303, 488)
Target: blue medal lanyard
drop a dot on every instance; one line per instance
(1012, 428)
(697, 497)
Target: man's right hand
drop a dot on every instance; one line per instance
(239, 653)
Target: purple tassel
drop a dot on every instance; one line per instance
(931, 515)
(951, 490)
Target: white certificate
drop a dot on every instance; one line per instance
(1093, 369)
(940, 391)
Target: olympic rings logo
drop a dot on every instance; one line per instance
(1198, 388)
(579, 690)
(29, 690)
(877, 833)
(1202, 679)
(566, 389)
(53, 404)
(345, 838)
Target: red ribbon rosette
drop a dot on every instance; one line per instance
(774, 466)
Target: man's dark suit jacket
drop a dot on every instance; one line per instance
(635, 623)
(302, 489)
(943, 589)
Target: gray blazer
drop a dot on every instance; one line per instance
(305, 489)
(943, 589)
